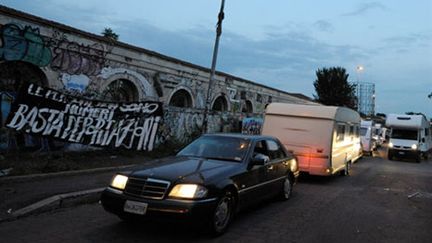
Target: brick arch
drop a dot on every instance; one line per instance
(182, 90)
(120, 90)
(248, 106)
(13, 74)
(225, 102)
(144, 88)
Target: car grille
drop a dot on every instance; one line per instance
(146, 188)
(402, 147)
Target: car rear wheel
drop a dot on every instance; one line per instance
(223, 214)
(286, 192)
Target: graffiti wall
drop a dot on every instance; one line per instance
(79, 67)
(184, 124)
(24, 44)
(71, 71)
(46, 112)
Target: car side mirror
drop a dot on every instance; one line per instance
(260, 159)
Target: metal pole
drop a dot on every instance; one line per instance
(213, 66)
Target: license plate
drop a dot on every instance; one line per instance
(401, 153)
(135, 207)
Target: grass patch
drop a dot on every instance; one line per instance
(56, 161)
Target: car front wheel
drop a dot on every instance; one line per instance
(286, 189)
(390, 155)
(418, 158)
(222, 215)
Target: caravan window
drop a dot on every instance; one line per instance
(340, 133)
(351, 132)
(404, 134)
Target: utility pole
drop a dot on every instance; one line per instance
(213, 66)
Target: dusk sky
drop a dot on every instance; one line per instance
(278, 43)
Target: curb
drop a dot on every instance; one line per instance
(57, 201)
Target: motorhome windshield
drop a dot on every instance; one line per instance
(404, 134)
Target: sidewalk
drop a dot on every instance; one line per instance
(23, 195)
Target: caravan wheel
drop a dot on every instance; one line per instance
(347, 169)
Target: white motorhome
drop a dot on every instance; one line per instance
(368, 141)
(410, 136)
(325, 139)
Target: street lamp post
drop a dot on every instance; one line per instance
(213, 66)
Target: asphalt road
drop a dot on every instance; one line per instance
(381, 201)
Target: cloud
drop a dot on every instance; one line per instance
(365, 8)
(408, 44)
(409, 39)
(297, 50)
(323, 25)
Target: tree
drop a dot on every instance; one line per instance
(332, 88)
(381, 115)
(109, 33)
(414, 113)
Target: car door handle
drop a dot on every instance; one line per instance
(270, 167)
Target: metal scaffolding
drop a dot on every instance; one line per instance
(365, 93)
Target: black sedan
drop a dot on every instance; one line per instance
(208, 181)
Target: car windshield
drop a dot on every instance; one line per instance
(404, 134)
(217, 147)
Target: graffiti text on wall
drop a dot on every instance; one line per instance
(23, 44)
(252, 125)
(47, 112)
(75, 58)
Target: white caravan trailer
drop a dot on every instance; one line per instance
(410, 136)
(368, 141)
(325, 139)
(384, 134)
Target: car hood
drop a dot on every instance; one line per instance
(188, 169)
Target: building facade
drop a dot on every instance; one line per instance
(93, 67)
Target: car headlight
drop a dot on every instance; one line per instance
(189, 191)
(414, 146)
(390, 145)
(294, 165)
(119, 182)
